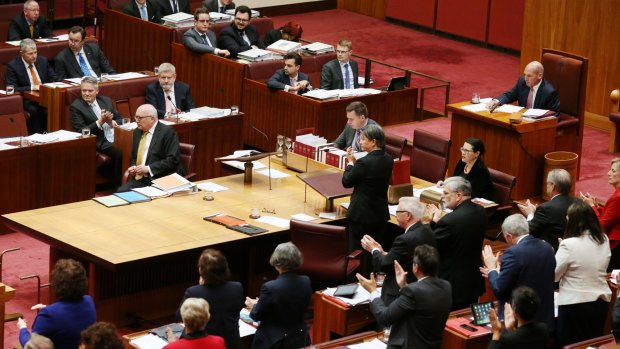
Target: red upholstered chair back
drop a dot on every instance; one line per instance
(319, 61)
(179, 32)
(12, 108)
(262, 24)
(187, 158)
(262, 71)
(324, 248)
(395, 145)
(568, 73)
(503, 184)
(7, 12)
(430, 155)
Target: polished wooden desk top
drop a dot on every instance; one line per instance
(6, 293)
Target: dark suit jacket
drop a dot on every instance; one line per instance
(401, 251)
(459, 237)
(272, 36)
(233, 42)
(480, 179)
(530, 336)
(225, 302)
(345, 139)
(418, 316)
(369, 178)
(151, 9)
(165, 8)
(82, 115)
(530, 263)
(163, 155)
(182, 97)
(67, 67)
(212, 5)
(193, 41)
(17, 75)
(549, 220)
(279, 79)
(280, 310)
(546, 96)
(19, 28)
(331, 75)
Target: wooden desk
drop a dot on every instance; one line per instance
(455, 340)
(514, 149)
(348, 340)
(6, 294)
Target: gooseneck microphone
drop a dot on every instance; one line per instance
(251, 125)
(176, 110)
(19, 131)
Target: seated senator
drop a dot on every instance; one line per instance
(218, 5)
(195, 314)
(472, 168)
(340, 73)
(29, 24)
(240, 35)
(169, 7)
(357, 120)
(200, 39)
(81, 59)
(289, 78)
(291, 31)
(143, 9)
(531, 91)
(169, 96)
(155, 151)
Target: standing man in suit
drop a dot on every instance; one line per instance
(419, 314)
(155, 151)
(531, 91)
(169, 7)
(29, 24)
(200, 39)
(218, 5)
(240, 35)
(169, 96)
(409, 214)
(459, 237)
(548, 221)
(143, 9)
(290, 79)
(357, 121)
(527, 262)
(80, 59)
(27, 72)
(98, 114)
(340, 73)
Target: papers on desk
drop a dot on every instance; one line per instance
(474, 108)
(303, 217)
(274, 173)
(151, 192)
(325, 94)
(204, 113)
(125, 76)
(219, 17)
(418, 192)
(172, 183)
(214, 187)
(322, 94)
(179, 20)
(327, 215)
(535, 113)
(316, 48)
(345, 205)
(361, 296)
(373, 344)
(241, 165)
(275, 221)
(14, 43)
(284, 46)
(258, 55)
(149, 341)
(58, 84)
(507, 108)
(482, 201)
(163, 121)
(392, 209)
(74, 81)
(4, 146)
(42, 138)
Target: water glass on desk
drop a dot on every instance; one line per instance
(104, 77)
(85, 132)
(234, 109)
(126, 123)
(10, 89)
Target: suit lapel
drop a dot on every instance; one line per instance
(339, 72)
(154, 141)
(89, 111)
(74, 63)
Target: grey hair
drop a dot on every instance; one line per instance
(458, 184)
(26, 44)
(516, 225)
(90, 80)
(195, 314)
(38, 341)
(167, 68)
(27, 4)
(286, 256)
(561, 179)
(412, 205)
(375, 132)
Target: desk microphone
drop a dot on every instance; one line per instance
(175, 107)
(17, 129)
(251, 125)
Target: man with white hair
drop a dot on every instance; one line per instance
(29, 24)
(169, 96)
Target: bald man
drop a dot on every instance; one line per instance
(531, 91)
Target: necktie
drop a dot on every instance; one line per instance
(530, 99)
(143, 13)
(206, 40)
(357, 145)
(169, 107)
(35, 78)
(32, 31)
(222, 9)
(83, 64)
(245, 37)
(175, 8)
(141, 147)
(294, 83)
(347, 77)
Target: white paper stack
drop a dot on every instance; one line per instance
(219, 17)
(257, 55)
(284, 46)
(255, 13)
(316, 48)
(179, 20)
(209, 113)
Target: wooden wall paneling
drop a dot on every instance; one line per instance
(421, 12)
(463, 18)
(17, 177)
(190, 71)
(222, 79)
(373, 8)
(586, 28)
(400, 106)
(506, 23)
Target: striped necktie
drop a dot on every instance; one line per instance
(83, 64)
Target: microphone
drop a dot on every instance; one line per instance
(175, 107)
(251, 125)
(19, 131)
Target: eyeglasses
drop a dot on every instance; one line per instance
(74, 42)
(138, 118)
(204, 21)
(242, 20)
(465, 150)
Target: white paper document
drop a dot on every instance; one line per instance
(392, 209)
(373, 344)
(42, 138)
(125, 76)
(275, 221)
(361, 296)
(508, 108)
(151, 192)
(149, 341)
(327, 215)
(246, 329)
(274, 173)
(4, 146)
(345, 205)
(474, 108)
(241, 165)
(214, 187)
(303, 217)
(535, 112)
(64, 135)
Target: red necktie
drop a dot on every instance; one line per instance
(530, 99)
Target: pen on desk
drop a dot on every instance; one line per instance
(213, 215)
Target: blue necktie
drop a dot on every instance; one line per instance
(143, 13)
(222, 9)
(347, 77)
(83, 65)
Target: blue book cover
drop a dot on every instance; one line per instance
(132, 197)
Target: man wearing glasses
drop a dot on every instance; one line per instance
(340, 73)
(29, 24)
(200, 39)
(81, 59)
(240, 36)
(155, 151)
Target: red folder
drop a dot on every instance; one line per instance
(465, 327)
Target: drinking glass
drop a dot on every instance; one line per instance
(288, 143)
(234, 109)
(280, 142)
(255, 213)
(10, 89)
(85, 132)
(126, 122)
(208, 195)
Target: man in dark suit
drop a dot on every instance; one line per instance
(98, 114)
(240, 35)
(218, 5)
(548, 221)
(521, 329)
(459, 237)
(340, 73)
(29, 24)
(357, 121)
(155, 151)
(409, 213)
(531, 91)
(143, 9)
(169, 96)
(419, 314)
(80, 59)
(290, 79)
(27, 72)
(200, 39)
(169, 7)
(527, 262)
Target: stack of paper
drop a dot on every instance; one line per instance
(231, 12)
(207, 112)
(361, 296)
(284, 46)
(125, 76)
(172, 183)
(179, 20)
(316, 48)
(257, 55)
(219, 17)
